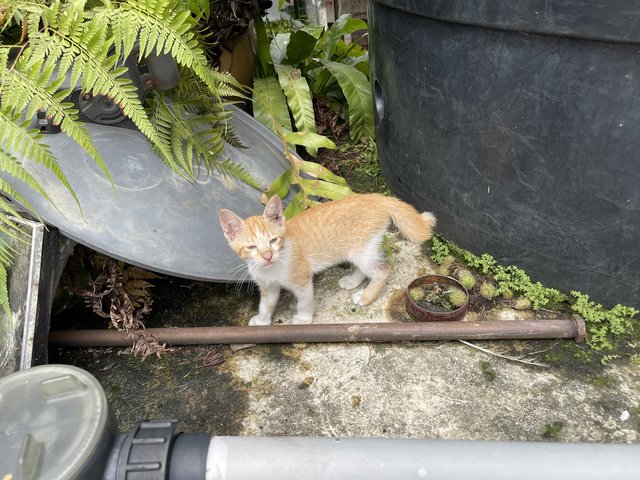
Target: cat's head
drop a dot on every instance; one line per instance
(258, 239)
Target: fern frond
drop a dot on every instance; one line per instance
(356, 89)
(229, 168)
(298, 95)
(231, 137)
(26, 87)
(7, 214)
(7, 226)
(137, 273)
(167, 27)
(270, 105)
(11, 166)
(9, 229)
(81, 50)
(24, 142)
(4, 291)
(192, 138)
(172, 132)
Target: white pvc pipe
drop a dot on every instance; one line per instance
(310, 458)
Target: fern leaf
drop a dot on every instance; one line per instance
(301, 44)
(231, 137)
(173, 131)
(194, 141)
(83, 46)
(298, 95)
(299, 203)
(342, 26)
(137, 273)
(356, 89)
(270, 105)
(318, 171)
(282, 184)
(320, 188)
(10, 165)
(24, 142)
(309, 139)
(234, 170)
(8, 226)
(4, 291)
(169, 30)
(7, 213)
(26, 77)
(168, 27)
(140, 285)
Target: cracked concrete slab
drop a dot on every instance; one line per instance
(446, 390)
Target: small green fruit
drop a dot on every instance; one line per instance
(445, 266)
(442, 269)
(466, 278)
(488, 290)
(416, 294)
(522, 304)
(457, 298)
(507, 293)
(448, 260)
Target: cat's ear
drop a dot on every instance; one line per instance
(273, 211)
(231, 224)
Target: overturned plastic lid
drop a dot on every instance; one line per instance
(55, 423)
(153, 217)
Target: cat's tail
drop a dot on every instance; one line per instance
(416, 227)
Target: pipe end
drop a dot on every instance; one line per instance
(581, 328)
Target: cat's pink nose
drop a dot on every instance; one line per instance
(267, 256)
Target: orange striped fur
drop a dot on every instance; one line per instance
(283, 254)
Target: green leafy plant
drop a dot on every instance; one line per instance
(308, 63)
(603, 324)
(508, 278)
(49, 48)
(312, 179)
(294, 69)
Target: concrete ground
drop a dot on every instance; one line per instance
(443, 390)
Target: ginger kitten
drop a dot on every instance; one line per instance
(280, 255)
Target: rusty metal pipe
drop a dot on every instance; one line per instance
(571, 328)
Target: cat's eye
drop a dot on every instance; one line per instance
(251, 247)
(273, 241)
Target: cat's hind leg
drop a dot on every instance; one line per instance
(377, 270)
(373, 290)
(372, 264)
(353, 280)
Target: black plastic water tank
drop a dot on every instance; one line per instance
(517, 122)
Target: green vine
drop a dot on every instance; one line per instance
(603, 324)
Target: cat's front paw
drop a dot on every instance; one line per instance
(302, 319)
(259, 320)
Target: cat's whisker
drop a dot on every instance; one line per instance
(237, 270)
(243, 278)
(242, 283)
